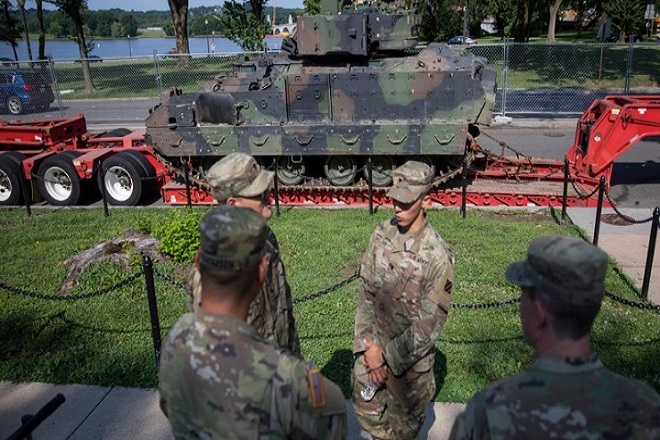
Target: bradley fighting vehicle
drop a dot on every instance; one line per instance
(348, 86)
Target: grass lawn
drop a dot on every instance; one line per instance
(106, 339)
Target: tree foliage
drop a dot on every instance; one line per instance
(627, 15)
(245, 23)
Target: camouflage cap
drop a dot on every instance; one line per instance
(238, 175)
(566, 268)
(231, 238)
(411, 180)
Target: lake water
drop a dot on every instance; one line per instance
(124, 48)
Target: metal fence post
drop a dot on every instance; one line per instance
(24, 190)
(599, 209)
(159, 79)
(464, 187)
(370, 170)
(651, 253)
(565, 193)
(53, 78)
(276, 188)
(505, 74)
(104, 193)
(629, 58)
(147, 266)
(187, 179)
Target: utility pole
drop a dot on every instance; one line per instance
(465, 18)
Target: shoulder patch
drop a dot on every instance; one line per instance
(316, 388)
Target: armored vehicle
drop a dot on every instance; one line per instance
(350, 86)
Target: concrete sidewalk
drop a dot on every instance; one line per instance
(118, 413)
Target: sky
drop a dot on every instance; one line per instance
(158, 5)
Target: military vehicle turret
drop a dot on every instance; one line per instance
(349, 85)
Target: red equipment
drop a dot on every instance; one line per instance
(60, 159)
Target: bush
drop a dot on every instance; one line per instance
(179, 235)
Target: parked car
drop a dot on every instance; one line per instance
(460, 39)
(23, 90)
(4, 61)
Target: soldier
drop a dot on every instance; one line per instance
(220, 379)
(238, 180)
(567, 392)
(406, 286)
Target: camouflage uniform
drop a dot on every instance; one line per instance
(219, 379)
(562, 397)
(271, 312)
(407, 281)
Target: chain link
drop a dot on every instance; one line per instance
(169, 279)
(622, 215)
(638, 305)
(486, 305)
(579, 192)
(332, 288)
(78, 296)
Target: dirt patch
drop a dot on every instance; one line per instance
(615, 219)
(348, 270)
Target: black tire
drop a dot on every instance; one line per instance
(123, 179)
(118, 132)
(340, 170)
(10, 184)
(58, 180)
(14, 105)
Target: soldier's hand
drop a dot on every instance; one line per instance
(378, 375)
(374, 362)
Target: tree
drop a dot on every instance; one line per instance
(179, 11)
(245, 23)
(504, 13)
(552, 19)
(524, 15)
(21, 6)
(73, 9)
(627, 16)
(9, 27)
(312, 7)
(42, 31)
(440, 20)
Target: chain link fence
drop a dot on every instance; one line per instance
(532, 78)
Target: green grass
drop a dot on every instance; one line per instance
(106, 340)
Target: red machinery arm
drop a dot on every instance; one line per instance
(607, 129)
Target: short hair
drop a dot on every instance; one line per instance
(569, 321)
(235, 282)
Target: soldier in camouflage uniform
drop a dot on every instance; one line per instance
(567, 393)
(406, 286)
(219, 378)
(238, 180)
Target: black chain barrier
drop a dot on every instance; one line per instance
(74, 297)
(622, 215)
(578, 191)
(169, 279)
(638, 305)
(486, 305)
(323, 292)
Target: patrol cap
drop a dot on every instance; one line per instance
(238, 175)
(566, 268)
(231, 238)
(410, 181)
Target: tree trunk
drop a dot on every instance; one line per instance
(10, 34)
(82, 49)
(179, 11)
(42, 32)
(21, 5)
(554, 11)
(522, 22)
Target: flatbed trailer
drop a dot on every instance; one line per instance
(61, 161)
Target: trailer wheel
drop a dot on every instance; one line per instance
(10, 185)
(58, 180)
(123, 179)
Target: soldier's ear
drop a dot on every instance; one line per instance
(427, 200)
(231, 201)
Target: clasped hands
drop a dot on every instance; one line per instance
(374, 362)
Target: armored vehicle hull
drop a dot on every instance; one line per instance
(348, 90)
